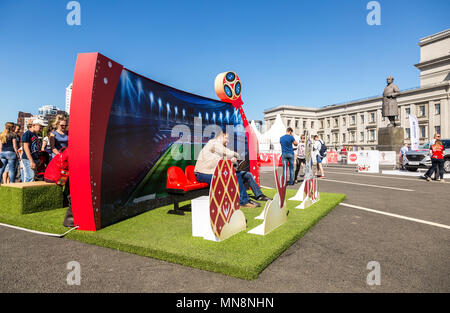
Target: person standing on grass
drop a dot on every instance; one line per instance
(301, 158)
(31, 148)
(317, 157)
(287, 153)
(437, 152)
(8, 155)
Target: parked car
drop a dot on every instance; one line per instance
(416, 159)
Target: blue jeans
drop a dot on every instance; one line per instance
(27, 172)
(319, 159)
(289, 157)
(206, 178)
(247, 177)
(9, 158)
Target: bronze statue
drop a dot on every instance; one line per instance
(390, 106)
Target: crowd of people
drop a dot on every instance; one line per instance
(25, 155)
(290, 157)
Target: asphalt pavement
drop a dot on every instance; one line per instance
(403, 223)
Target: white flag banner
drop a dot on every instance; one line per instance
(414, 132)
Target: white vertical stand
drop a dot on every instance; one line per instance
(300, 195)
(273, 216)
(201, 224)
(308, 201)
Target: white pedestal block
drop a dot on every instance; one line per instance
(201, 224)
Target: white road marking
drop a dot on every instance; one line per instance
(396, 215)
(375, 186)
(267, 187)
(39, 232)
(342, 168)
(371, 175)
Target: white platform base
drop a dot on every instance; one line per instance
(201, 224)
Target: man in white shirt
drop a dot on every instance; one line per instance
(209, 157)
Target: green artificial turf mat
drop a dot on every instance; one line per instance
(169, 237)
(32, 199)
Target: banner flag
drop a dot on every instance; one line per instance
(414, 132)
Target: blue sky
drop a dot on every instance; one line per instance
(307, 53)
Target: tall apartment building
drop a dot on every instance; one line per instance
(356, 123)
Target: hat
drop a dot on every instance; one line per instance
(39, 122)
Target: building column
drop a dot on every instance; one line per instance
(431, 115)
(445, 118)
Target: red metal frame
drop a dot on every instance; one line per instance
(94, 85)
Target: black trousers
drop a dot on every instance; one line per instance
(435, 165)
(297, 167)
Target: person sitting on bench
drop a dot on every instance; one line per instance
(208, 159)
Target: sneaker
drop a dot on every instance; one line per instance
(255, 203)
(442, 181)
(428, 178)
(263, 198)
(249, 205)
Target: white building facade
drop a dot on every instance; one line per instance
(48, 110)
(356, 123)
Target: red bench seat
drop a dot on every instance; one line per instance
(181, 182)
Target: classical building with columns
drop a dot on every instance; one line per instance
(356, 123)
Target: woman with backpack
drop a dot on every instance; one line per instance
(437, 152)
(319, 152)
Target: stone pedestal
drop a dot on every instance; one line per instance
(390, 139)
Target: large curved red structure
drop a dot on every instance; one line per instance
(107, 173)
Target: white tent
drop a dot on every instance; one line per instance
(272, 136)
(255, 130)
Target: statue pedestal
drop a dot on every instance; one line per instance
(390, 139)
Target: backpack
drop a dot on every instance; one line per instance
(323, 149)
(57, 170)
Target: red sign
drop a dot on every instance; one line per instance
(332, 157)
(353, 157)
(267, 159)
